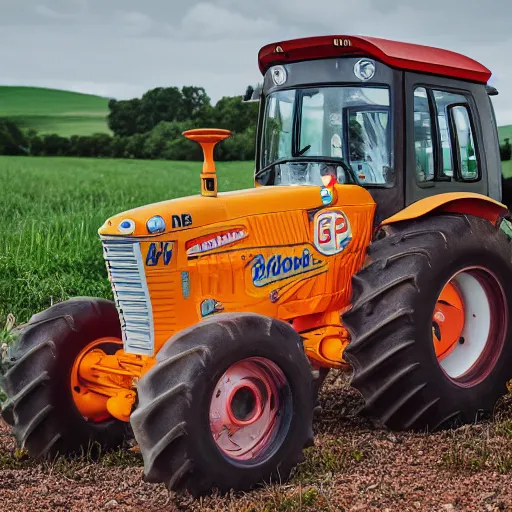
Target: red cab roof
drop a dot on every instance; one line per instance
(413, 57)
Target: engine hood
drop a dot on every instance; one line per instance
(196, 211)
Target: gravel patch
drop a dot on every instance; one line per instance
(354, 466)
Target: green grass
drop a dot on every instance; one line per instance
(506, 168)
(51, 209)
(505, 132)
(53, 111)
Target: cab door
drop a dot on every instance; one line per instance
(444, 148)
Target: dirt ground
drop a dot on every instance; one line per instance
(353, 466)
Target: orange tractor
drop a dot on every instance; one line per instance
(373, 241)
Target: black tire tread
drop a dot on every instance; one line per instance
(38, 420)
(381, 353)
(165, 393)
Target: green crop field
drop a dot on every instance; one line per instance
(506, 169)
(51, 209)
(505, 132)
(53, 111)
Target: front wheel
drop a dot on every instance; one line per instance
(43, 395)
(229, 404)
(431, 323)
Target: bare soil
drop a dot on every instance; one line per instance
(354, 466)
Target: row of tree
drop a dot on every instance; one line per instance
(189, 105)
(150, 127)
(164, 142)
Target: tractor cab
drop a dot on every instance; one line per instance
(401, 120)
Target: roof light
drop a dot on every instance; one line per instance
(279, 75)
(364, 69)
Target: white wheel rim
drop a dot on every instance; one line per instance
(485, 322)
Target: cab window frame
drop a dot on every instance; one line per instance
(456, 151)
(390, 129)
(437, 148)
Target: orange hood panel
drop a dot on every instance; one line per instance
(196, 211)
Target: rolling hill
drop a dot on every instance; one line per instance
(54, 111)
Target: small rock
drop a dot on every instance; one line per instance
(111, 504)
(392, 438)
(417, 504)
(448, 506)
(420, 452)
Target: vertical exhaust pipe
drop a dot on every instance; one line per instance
(208, 139)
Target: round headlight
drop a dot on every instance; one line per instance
(364, 69)
(279, 75)
(127, 227)
(156, 224)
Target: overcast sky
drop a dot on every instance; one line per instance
(121, 48)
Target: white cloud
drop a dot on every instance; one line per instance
(63, 10)
(136, 23)
(206, 20)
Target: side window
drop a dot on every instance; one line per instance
(451, 138)
(468, 164)
(423, 138)
(443, 100)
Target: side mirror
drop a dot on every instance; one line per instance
(491, 91)
(252, 94)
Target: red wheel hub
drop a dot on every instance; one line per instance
(245, 407)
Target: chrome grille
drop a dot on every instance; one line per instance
(126, 272)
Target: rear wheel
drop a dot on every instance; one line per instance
(45, 406)
(430, 323)
(229, 404)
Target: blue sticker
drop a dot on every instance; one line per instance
(185, 285)
(280, 267)
(326, 195)
(210, 306)
(159, 250)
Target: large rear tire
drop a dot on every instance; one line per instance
(407, 383)
(40, 407)
(229, 404)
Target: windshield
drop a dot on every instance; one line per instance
(352, 124)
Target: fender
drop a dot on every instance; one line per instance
(469, 203)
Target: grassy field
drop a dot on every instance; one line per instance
(53, 111)
(51, 210)
(505, 132)
(506, 169)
